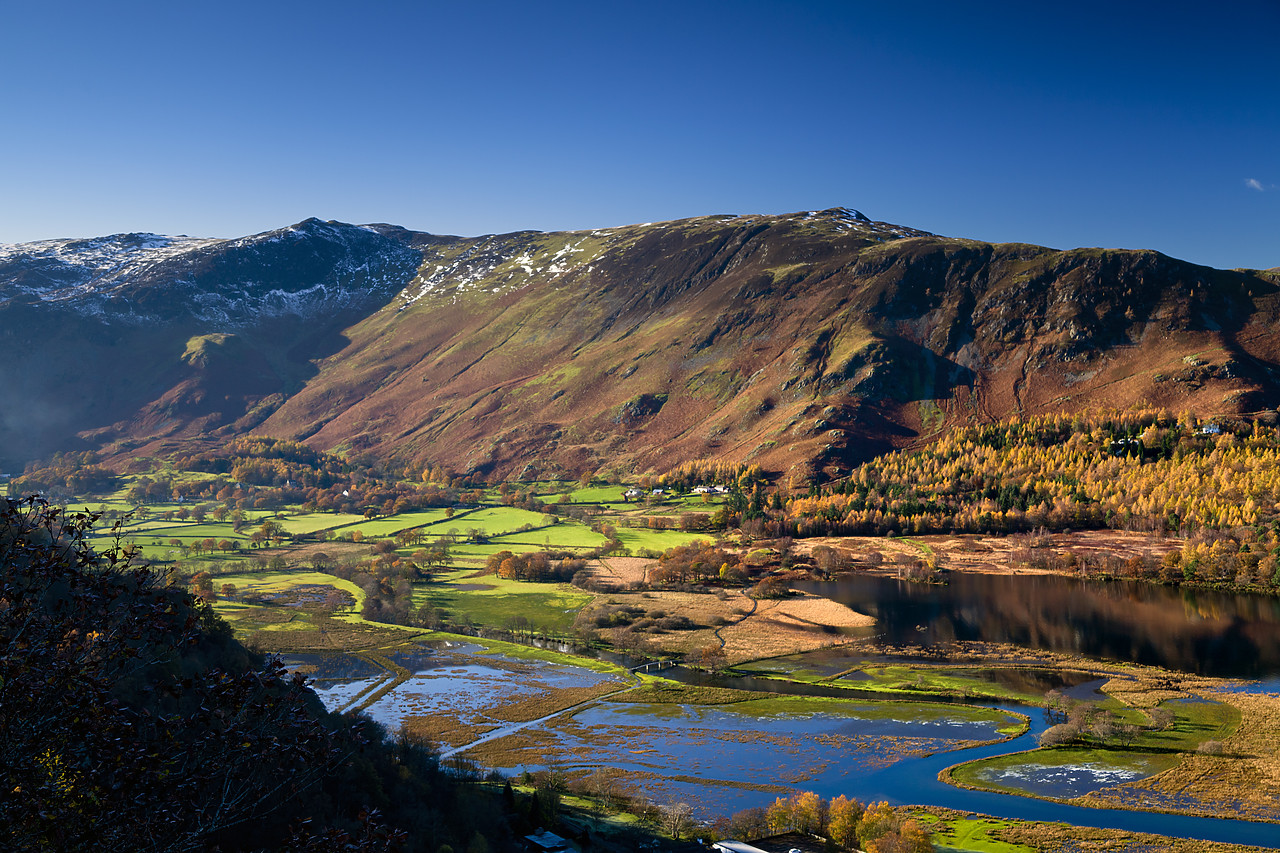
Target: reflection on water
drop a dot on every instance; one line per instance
(1201, 631)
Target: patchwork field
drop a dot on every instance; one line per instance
(501, 603)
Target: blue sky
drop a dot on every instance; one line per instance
(1134, 125)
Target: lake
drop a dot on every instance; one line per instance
(1205, 632)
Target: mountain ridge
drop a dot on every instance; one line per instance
(803, 342)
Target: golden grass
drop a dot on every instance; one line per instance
(442, 728)
(525, 708)
(312, 631)
(526, 747)
(621, 571)
(990, 554)
(786, 626)
(776, 627)
(1243, 782)
(1062, 836)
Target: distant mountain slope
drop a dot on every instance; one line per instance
(135, 336)
(801, 342)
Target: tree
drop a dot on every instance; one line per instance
(676, 819)
(843, 815)
(779, 815)
(129, 718)
(809, 814)
(910, 837)
(711, 657)
(748, 824)
(883, 830)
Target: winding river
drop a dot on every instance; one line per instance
(1193, 631)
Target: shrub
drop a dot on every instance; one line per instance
(1063, 733)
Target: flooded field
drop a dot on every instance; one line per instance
(721, 757)
(862, 674)
(1068, 776)
(724, 758)
(449, 692)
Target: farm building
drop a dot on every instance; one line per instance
(548, 842)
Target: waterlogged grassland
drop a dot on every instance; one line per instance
(455, 689)
(529, 653)
(1066, 772)
(729, 756)
(903, 679)
(774, 705)
(1061, 773)
(501, 603)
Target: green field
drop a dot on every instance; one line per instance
(209, 529)
(589, 495)
(267, 583)
(313, 522)
(548, 607)
(504, 519)
(437, 519)
(879, 710)
(971, 835)
(566, 534)
(901, 679)
(635, 538)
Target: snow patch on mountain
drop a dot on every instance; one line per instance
(303, 270)
(498, 264)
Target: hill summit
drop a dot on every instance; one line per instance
(803, 342)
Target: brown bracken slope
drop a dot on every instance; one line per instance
(803, 343)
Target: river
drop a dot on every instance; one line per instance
(1207, 633)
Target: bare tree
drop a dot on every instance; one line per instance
(675, 819)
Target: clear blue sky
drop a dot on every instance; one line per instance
(1134, 125)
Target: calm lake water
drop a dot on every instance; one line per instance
(1200, 631)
